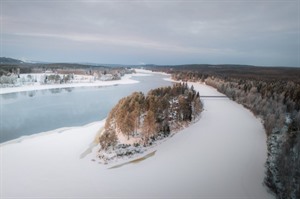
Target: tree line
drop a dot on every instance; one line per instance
(276, 100)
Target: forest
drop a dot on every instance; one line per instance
(10, 66)
(15, 73)
(140, 120)
(271, 93)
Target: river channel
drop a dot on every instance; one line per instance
(31, 112)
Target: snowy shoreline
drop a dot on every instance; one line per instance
(126, 79)
(54, 131)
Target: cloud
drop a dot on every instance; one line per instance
(103, 39)
(193, 28)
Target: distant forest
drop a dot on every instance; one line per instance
(11, 71)
(145, 119)
(9, 65)
(273, 94)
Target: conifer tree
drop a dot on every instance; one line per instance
(149, 126)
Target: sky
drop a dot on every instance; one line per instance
(263, 33)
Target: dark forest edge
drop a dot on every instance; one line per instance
(272, 94)
(140, 121)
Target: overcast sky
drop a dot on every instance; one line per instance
(262, 32)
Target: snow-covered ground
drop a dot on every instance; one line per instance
(220, 156)
(126, 79)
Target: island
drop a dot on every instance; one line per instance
(139, 121)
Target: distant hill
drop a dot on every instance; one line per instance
(233, 71)
(6, 60)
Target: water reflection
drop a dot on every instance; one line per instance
(69, 89)
(9, 96)
(55, 90)
(31, 93)
(44, 91)
(24, 93)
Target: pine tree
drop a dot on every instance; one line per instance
(149, 126)
(197, 105)
(127, 126)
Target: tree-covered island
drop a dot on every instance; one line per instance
(139, 120)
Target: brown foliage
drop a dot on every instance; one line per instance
(154, 114)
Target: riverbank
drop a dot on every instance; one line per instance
(220, 156)
(126, 79)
